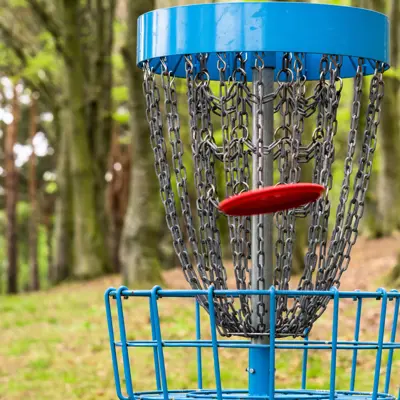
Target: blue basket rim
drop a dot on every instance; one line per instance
(218, 28)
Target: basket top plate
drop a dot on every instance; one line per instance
(270, 28)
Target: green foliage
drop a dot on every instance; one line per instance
(42, 63)
(45, 60)
(18, 3)
(8, 61)
(23, 213)
(119, 28)
(51, 187)
(118, 62)
(121, 117)
(393, 72)
(120, 94)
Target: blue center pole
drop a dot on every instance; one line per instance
(259, 373)
(259, 357)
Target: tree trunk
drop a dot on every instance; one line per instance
(389, 181)
(34, 209)
(394, 276)
(118, 195)
(62, 251)
(100, 122)
(91, 257)
(11, 184)
(395, 53)
(359, 3)
(368, 225)
(142, 222)
(49, 242)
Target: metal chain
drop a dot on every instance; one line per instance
(205, 180)
(237, 171)
(163, 173)
(225, 98)
(284, 222)
(326, 126)
(348, 163)
(298, 103)
(357, 203)
(230, 102)
(260, 313)
(173, 122)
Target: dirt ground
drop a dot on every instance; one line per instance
(371, 262)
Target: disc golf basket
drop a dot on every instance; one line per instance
(242, 103)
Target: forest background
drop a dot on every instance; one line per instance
(75, 149)
(77, 187)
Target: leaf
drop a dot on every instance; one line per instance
(51, 187)
(393, 72)
(117, 61)
(18, 3)
(39, 64)
(120, 94)
(121, 118)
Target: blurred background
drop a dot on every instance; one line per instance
(80, 207)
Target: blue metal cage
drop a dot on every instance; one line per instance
(262, 378)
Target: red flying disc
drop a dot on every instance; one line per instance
(271, 199)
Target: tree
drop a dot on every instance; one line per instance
(141, 233)
(389, 180)
(89, 242)
(82, 37)
(11, 185)
(33, 199)
(37, 63)
(86, 55)
(359, 3)
(394, 81)
(386, 219)
(118, 193)
(61, 267)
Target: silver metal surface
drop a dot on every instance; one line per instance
(262, 271)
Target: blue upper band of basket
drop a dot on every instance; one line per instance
(268, 28)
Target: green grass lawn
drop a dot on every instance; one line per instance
(54, 345)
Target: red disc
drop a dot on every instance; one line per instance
(271, 199)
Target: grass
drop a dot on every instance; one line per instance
(54, 345)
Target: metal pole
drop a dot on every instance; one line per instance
(259, 373)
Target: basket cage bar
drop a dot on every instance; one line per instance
(382, 377)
